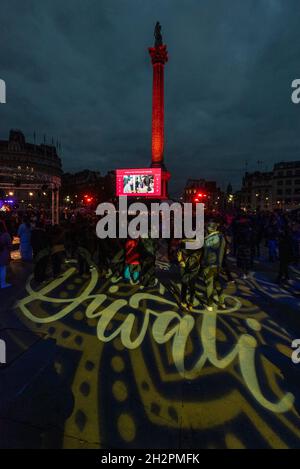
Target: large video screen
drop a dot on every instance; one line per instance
(138, 182)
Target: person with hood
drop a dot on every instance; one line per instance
(213, 255)
(5, 246)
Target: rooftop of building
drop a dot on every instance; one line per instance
(17, 143)
(287, 165)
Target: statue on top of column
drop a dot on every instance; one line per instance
(158, 35)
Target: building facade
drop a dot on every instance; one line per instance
(257, 191)
(286, 185)
(202, 191)
(30, 174)
(279, 188)
(86, 184)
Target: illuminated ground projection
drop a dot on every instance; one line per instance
(144, 374)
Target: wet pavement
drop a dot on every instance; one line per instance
(96, 362)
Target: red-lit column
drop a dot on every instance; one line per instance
(159, 56)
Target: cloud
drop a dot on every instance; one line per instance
(80, 71)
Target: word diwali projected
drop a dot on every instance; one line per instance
(166, 326)
(2, 92)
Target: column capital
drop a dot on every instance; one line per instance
(159, 54)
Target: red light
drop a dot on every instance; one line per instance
(200, 196)
(88, 199)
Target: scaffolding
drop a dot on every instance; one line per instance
(53, 185)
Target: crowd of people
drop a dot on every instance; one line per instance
(243, 236)
(279, 232)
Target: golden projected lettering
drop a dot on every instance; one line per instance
(166, 326)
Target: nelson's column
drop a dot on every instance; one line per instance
(159, 56)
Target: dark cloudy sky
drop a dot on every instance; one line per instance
(79, 70)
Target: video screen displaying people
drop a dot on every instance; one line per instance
(138, 184)
(144, 182)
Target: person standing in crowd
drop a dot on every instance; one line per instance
(173, 246)
(24, 233)
(189, 262)
(272, 239)
(213, 254)
(70, 239)
(82, 253)
(117, 259)
(148, 247)
(295, 235)
(103, 258)
(225, 229)
(10, 226)
(41, 251)
(132, 260)
(57, 249)
(84, 248)
(285, 248)
(244, 243)
(5, 246)
(258, 228)
(234, 225)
